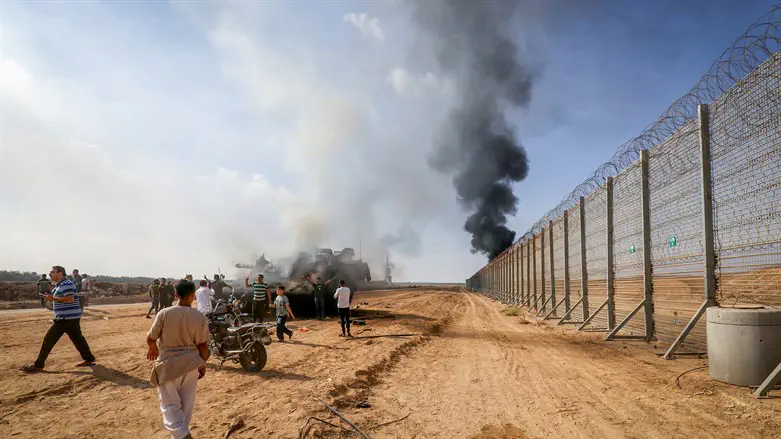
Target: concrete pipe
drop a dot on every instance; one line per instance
(744, 345)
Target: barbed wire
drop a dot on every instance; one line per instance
(760, 41)
(756, 45)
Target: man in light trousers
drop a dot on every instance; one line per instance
(178, 342)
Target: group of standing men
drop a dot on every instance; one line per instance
(162, 294)
(162, 291)
(343, 296)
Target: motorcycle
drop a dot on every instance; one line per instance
(244, 344)
(232, 311)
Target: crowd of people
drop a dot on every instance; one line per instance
(83, 285)
(178, 340)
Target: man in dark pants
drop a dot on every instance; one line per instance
(259, 298)
(282, 305)
(344, 298)
(154, 294)
(166, 292)
(67, 320)
(319, 294)
(218, 285)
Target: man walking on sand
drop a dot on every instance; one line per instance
(67, 320)
(344, 298)
(282, 304)
(177, 341)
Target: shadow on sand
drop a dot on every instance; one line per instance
(120, 378)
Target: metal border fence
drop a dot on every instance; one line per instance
(685, 216)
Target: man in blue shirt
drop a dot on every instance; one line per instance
(67, 320)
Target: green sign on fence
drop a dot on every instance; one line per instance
(631, 249)
(672, 241)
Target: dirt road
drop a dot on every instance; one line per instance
(471, 373)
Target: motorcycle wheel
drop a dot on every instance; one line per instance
(254, 360)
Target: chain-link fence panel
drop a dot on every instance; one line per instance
(574, 262)
(746, 172)
(546, 286)
(628, 248)
(596, 254)
(743, 89)
(677, 254)
(558, 263)
(537, 260)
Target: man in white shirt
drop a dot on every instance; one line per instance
(343, 298)
(204, 297)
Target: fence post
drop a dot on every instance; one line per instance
(529, 274)
(552, 268)
(611, 304)
(566, 264)
(508, 270)
(491, 275)
(583, 262)
(534, 271)
(486, 280)
(521, 260)
(496, 280)
(507, 277)
(517, 271)
(542, 269)
(502, 278)
(510, 276)
(707, 230)
(647, 269)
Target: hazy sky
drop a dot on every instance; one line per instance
(153, 138)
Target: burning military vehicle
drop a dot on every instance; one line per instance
(320, 264)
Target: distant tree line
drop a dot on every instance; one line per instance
(32, 276)
(19, 276)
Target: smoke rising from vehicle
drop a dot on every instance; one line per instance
(478, 147)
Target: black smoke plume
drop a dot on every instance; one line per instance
(474, 44)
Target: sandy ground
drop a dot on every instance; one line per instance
(472, 372)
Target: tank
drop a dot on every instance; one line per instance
(744, 344)
(321, 263)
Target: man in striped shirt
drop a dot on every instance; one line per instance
(259, 299)
(67, 320)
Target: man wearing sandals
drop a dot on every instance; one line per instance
(67, 320)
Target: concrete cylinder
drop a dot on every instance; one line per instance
(744, 345)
